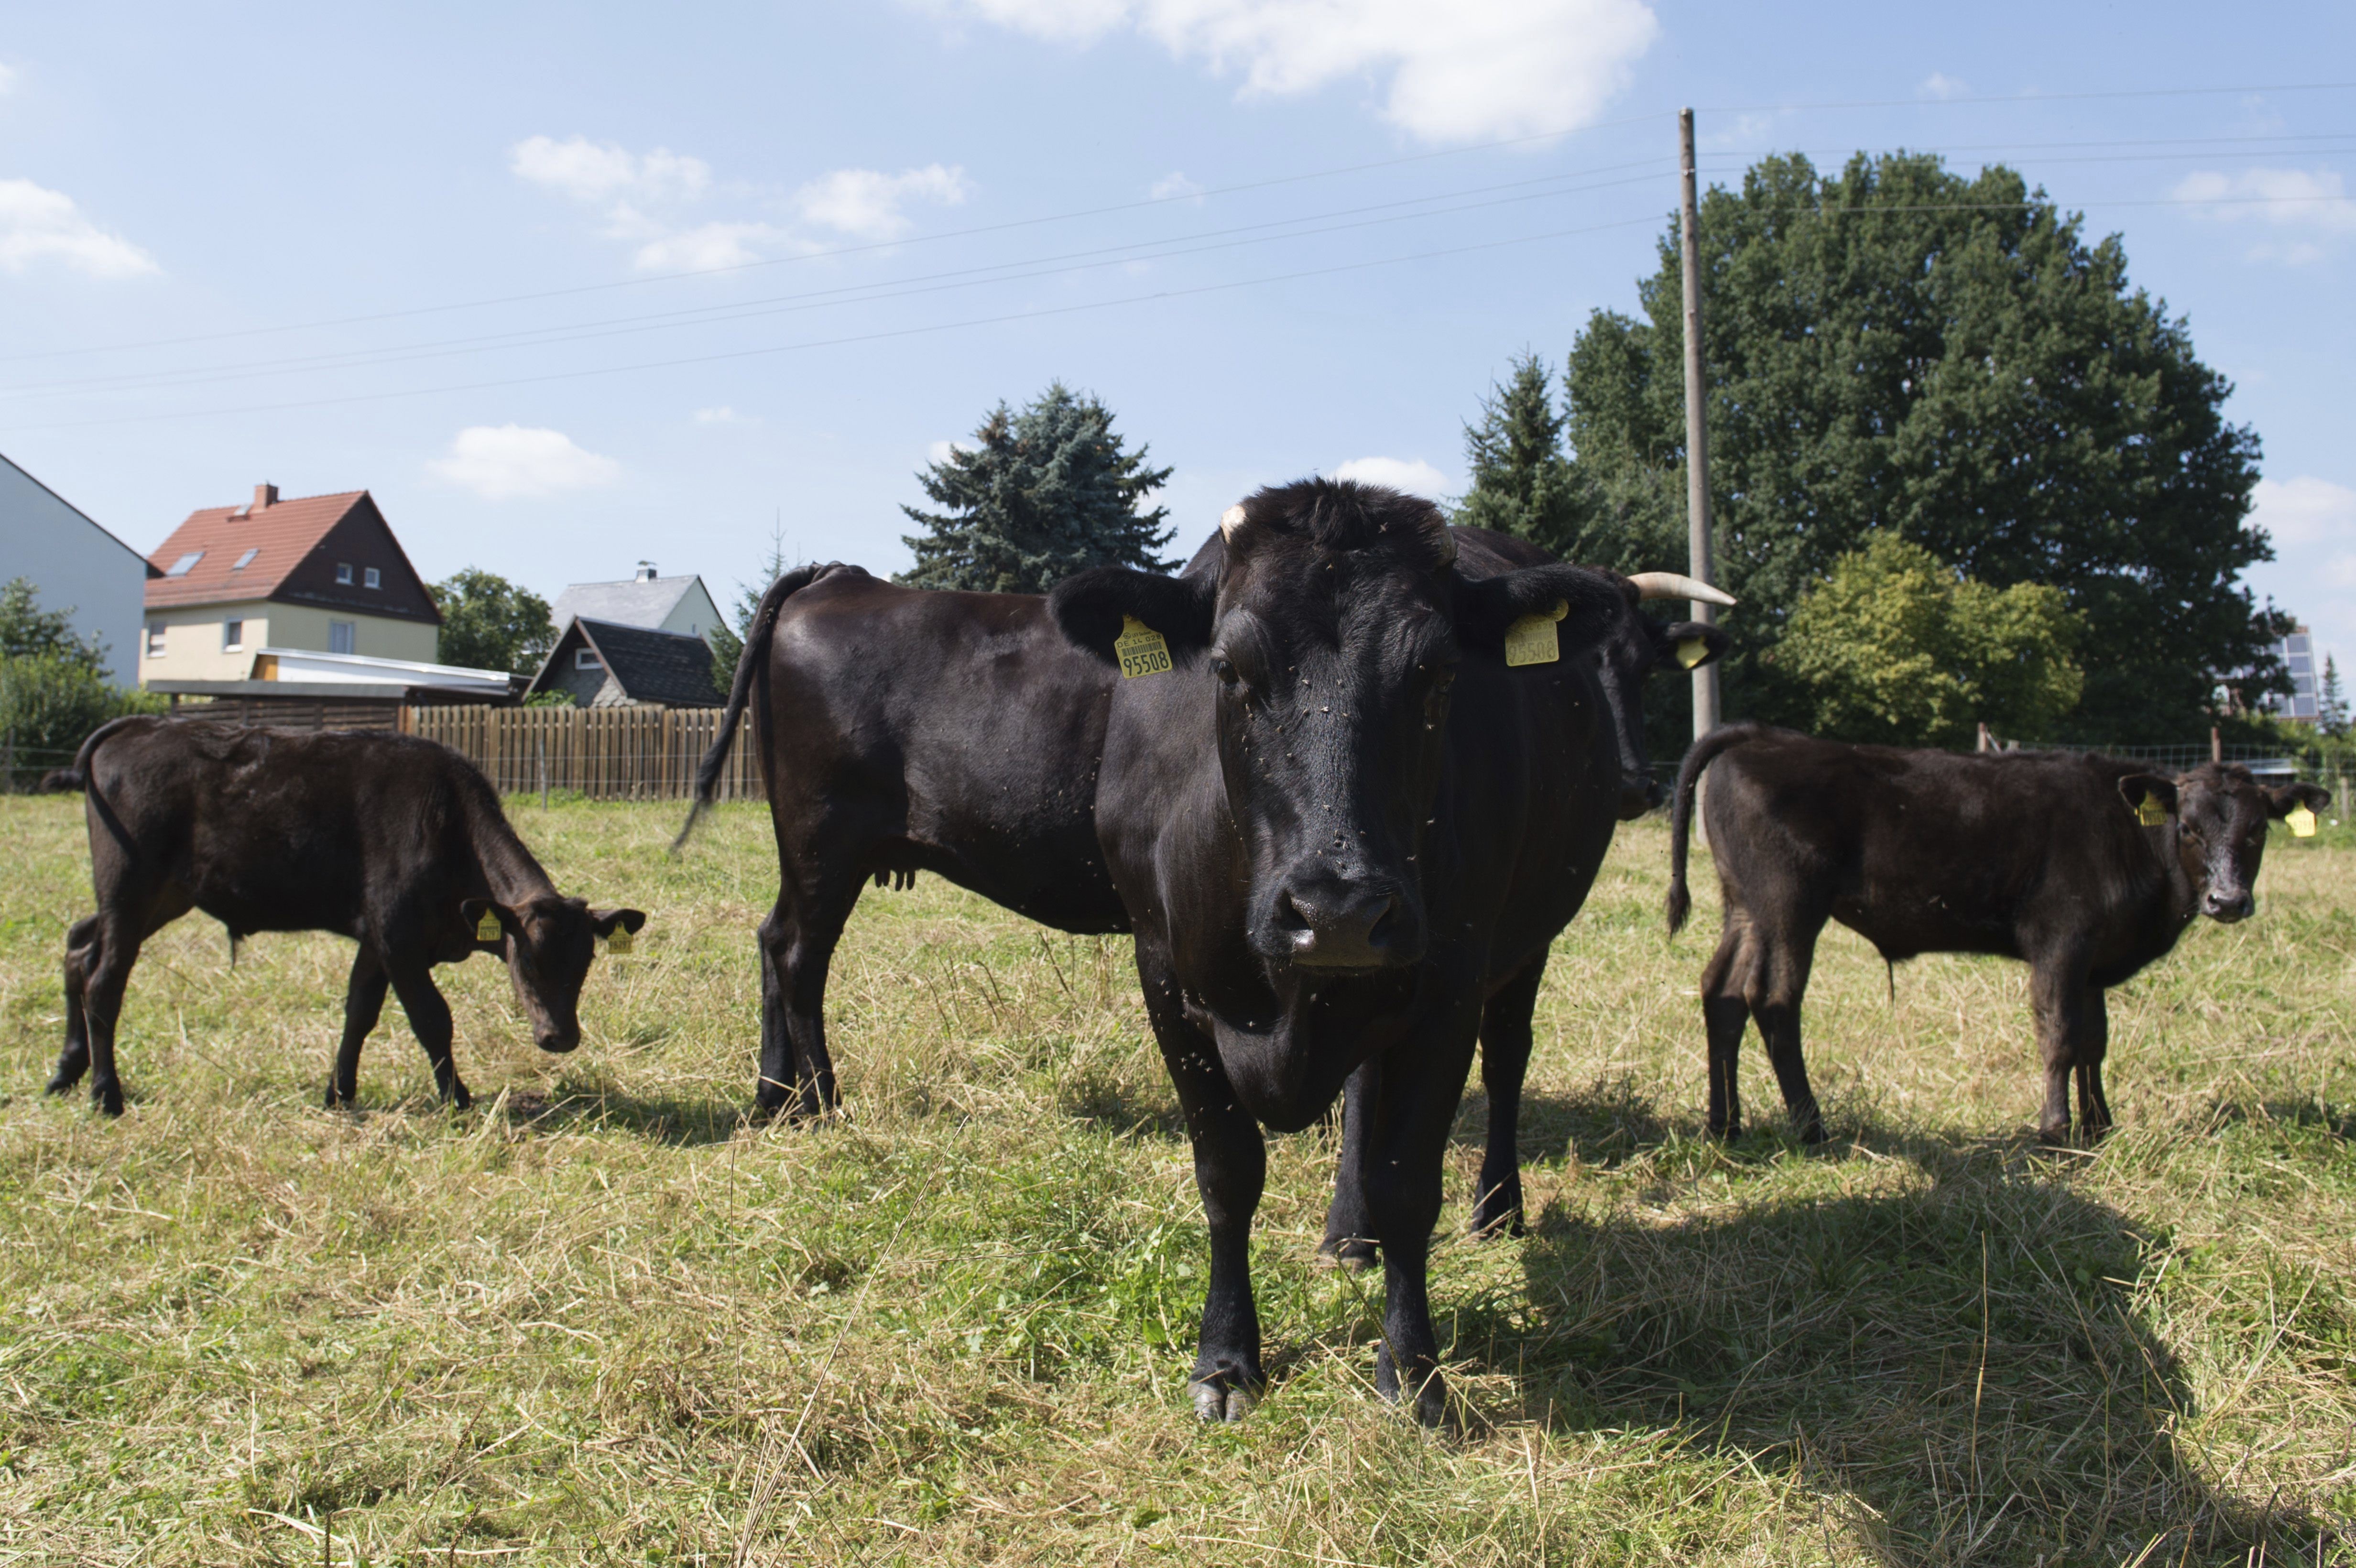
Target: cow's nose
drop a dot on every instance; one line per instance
(1639, 796)
(557, 1042)
(1340, 927)
(2227, 908)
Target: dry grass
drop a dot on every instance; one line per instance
(598, 1319)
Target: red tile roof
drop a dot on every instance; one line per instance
(288, 539)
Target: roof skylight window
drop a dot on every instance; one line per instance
(247, 559)
(185, 564)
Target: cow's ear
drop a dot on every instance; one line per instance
(486, 923)
(2281, 802)
(2137, 788)
(1689, 645)
(1593, 602)
(1089, 607)
(606, 920)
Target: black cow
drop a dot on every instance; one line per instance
(1343, 827)
(396, 842)
(2088, 868)
(903, 730)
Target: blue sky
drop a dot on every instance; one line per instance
(436, 251)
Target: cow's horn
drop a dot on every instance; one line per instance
(1446, 546)
(1677, 585)
(1229, 521)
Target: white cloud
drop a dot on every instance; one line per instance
(503, 462)
(2312, 521)
(593, 172)
(866, 204)
(1173, 185)
(938, 452)
(1415, 477)
(7, 78)
(39, 225)
(1460, 71)
(724, 414)
(1939, 84)
(2304, 510)
(2296, 203)
(708, 247)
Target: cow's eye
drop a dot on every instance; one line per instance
(1225, 669)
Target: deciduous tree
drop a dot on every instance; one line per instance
(489, 623)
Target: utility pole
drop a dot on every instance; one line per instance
(1705, 679)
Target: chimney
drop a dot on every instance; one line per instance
(645, 571)
(265, 496)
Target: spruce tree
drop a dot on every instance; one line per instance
(2331, 708)
(1039, 495)
(1521, 479)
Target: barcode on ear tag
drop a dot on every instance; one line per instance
(1532, 640)
(2151, 814)
(619, 942)
(488, 928)
(1692, 651)
(2301, 821)
(1141, 649)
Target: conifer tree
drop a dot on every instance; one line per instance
(1521, 478)
(2331, 710)
(1039, 495)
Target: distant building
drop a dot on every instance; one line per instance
(318, 575)
(2297, 652)
(603, 663)
(680, 605)
(75, 565)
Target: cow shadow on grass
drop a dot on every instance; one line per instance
(1959, 1367)
(675, 1120)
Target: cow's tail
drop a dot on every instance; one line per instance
(1681, 806)
(757, 650)
(76, 778)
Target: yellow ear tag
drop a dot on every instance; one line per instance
(1532, 640)
(2151, 814)
(488, 928)
(1141, 649)
(619, 942)
(1692, 651)
(2301, 821)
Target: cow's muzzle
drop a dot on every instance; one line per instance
(1344, 925)
(2225, 908)
(556, 1043)
(1640, 793)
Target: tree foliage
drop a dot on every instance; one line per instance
(1896, 647)
(1899, 348)
(1522, 478)
(727, 641)
(2331, 702)
(489, 623)
(1039, 495)
(27, 631)
(53, 687)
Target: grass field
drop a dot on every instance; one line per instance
(599, 1319)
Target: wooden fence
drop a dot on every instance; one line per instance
(609, 753)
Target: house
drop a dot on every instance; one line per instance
(680, 605)
(74, 565)
(2297, 654)
(604, 663)
(319, 573)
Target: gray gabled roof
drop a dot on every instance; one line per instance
(667, 668)
(629, 604)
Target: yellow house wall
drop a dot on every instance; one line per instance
(192, 638)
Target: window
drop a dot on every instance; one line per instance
(369, 578)
(185, 564)
(341, 635)
(586, 658)
(344, 572)
(247, 559)
(155, 642)
(233, 636)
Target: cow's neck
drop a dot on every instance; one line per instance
(510, 871)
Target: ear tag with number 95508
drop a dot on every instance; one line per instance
(1141, 649)
(2151, 814)
(488, 928)
(618, 943)
(2301, 821)
(1692, 651)
(1532, 640)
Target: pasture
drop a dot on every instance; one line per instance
(600, 1320)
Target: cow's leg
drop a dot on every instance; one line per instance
(81, 950)
(107, 972)
(1230, 1169)
(363, 1004)
(1781, 976)
(2058, 993)
(798, 944)
(1727, 982)
(2093, 1044)
(1349, 1233)
(429, 1020)
(1421, 1084)
(1504, 1063)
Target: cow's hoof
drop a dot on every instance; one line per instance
(1727, 1133)
(1498, 1213)
(107, 1097)
(1430, 1402)
(459, 1098)
(1814, 1134)
(2054, 1137)
(1353, 1253)
(63, 1084)
(1223, 1397)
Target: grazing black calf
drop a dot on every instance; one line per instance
(1342, 825)
(2086, 866)
(395, 842)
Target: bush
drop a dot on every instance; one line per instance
(48, 706)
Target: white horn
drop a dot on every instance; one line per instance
(1677, 585)
(1229, 521)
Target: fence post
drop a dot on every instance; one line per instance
(540, 749)
(2216, 746)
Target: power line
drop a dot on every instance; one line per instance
(2030, 97)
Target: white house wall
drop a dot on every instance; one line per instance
(694, 616)
(75, 565)
(193, 638)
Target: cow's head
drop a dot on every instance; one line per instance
(547, 943)
(1631, 652)
(1333, 626)
(2217, 814)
